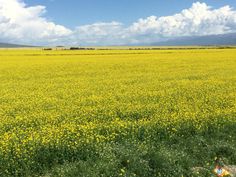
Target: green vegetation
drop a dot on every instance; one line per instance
(117, 112)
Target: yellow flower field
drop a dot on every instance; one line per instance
(80, 108)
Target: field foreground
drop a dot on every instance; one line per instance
(117, 112)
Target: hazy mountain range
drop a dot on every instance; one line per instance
(8, 45)
(223, 39)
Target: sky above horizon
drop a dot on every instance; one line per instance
(104, 22)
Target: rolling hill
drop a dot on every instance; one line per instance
(8, 45)
(223, 39)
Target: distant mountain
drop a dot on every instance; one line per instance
(223, 39)
(210, 40)
(7, 45)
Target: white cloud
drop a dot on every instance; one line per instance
(198, 20)
(29, 25)
(100, 33)
(19, 23)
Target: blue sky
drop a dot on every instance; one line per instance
(110, 22)
(72, 13)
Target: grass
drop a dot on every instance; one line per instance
(116, 112)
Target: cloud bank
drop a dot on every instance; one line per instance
(19, 23)
(29, 26)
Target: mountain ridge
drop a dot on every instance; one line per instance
(10, 45)
(222, 39)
